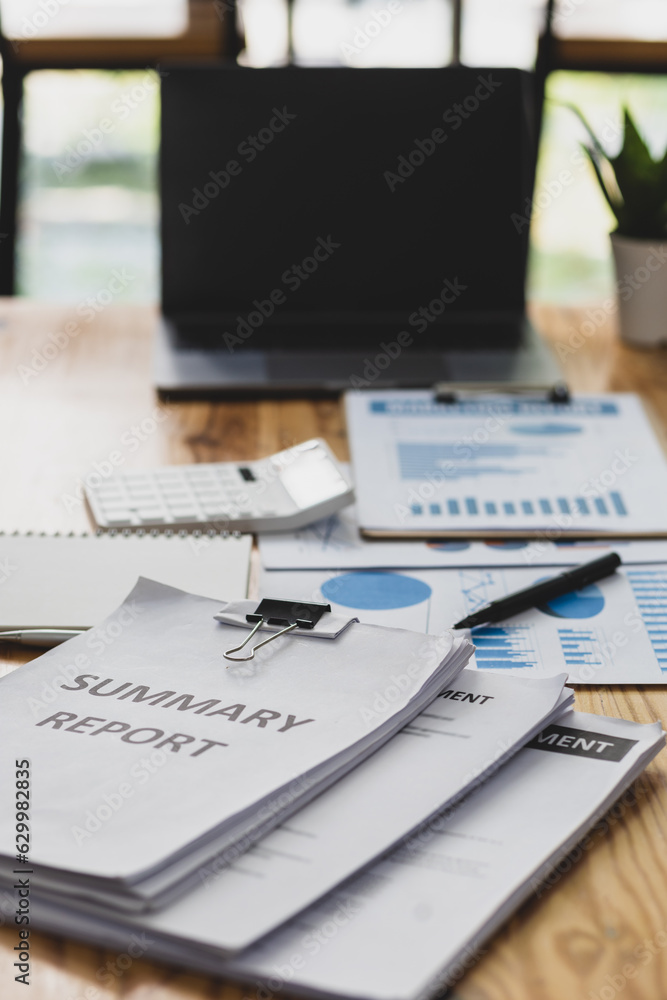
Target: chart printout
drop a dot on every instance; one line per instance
(611, 632)
(505, 464)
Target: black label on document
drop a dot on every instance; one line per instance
(581, 743)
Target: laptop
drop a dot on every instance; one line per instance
(334, 228)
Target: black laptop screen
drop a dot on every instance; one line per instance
(340, 200)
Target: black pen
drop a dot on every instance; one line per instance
(531, 597)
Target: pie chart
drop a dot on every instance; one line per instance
(585, 603)
(369, 591)
(448, 546)
(510, 544)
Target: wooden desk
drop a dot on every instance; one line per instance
(56, 423)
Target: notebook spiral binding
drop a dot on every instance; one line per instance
(124, 533)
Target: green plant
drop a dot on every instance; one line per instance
(634, 184)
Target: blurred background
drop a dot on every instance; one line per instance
(87, 179)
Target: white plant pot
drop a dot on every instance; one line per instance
(641, 284)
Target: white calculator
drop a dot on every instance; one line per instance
(287, 490)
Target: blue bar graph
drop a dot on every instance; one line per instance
(537, 509)
(649, 587)
(617, 501)
(503, 648)
(423, 459)
(580, 647)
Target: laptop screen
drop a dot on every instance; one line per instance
(300, 205)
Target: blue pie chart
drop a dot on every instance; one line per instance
(509, 544)
(375, 591)
(448, 546)
(584, 603)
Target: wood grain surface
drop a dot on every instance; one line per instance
(598, 928)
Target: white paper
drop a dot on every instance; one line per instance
(434, 901)
(613, 632)
(467, 732)
(75, 581)
(411, 924)
(336, 543)
(505, 464)
(267, 732)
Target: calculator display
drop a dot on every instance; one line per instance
(311, 478)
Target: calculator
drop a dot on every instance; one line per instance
(284, 491)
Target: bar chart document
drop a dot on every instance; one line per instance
(610, 632)
(498, 466)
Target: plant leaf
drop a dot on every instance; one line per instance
(597, 146)
(637, 191)
(634, 148)
(613, 204)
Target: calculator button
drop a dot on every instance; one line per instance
(214, 496)
(118, 519)
(150, 516)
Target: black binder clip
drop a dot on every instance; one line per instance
(289, 614)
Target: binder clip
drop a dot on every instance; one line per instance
(289, 614)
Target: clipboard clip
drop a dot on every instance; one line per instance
(447, 392)
(270, 611)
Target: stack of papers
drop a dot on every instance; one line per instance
(470, 729)
(409, 925)
(369, 857)
(415, 922)
(151, 754)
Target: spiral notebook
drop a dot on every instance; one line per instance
(75, 581)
